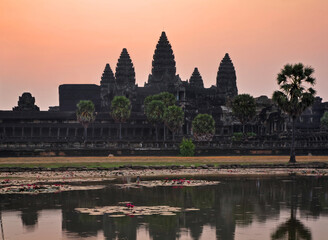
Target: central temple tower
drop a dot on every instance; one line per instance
(163, 59)
(163, 74)
(226, 78)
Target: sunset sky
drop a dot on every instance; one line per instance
(47, 43)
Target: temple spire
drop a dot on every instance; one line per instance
(196, 79)
(163, 59)
(107, 76)
(124, 70)
(226, 78)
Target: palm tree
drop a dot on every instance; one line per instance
(295, 94)
(155, 113)
(174, 118)
(167, 98)
(85, 114)
(244, 108)
(120, 110)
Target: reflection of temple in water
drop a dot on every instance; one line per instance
(232, 204)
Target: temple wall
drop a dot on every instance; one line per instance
(71, 94)
(152, 148)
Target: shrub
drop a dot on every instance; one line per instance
(237, 136)
(324, 120)
(187, 148)
(251, 134)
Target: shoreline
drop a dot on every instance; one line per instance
(137, 162)
(124, 169)
(99, 175)
(30, 182)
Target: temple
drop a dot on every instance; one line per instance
(58, 127)
(226, 78)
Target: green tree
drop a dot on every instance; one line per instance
(174, 118)
(168, 99)
(203, 127)
(324, 120)
(148, 100)
(155, 113)
(187, 148)
(295, 94)
(120, 110)
(244, 108)
(85, 114)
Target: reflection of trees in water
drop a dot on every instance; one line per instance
(293, 229)
(120, 228)
(164, 227)
(83, 224)
(234, 202)
(29, 218)
(194, 221)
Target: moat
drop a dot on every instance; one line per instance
(235, 208)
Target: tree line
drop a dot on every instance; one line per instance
(295, 94)
(159, 109)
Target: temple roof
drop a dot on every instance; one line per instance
(163, 59)
(196, 79)
(124, 69)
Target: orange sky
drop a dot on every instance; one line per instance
(47, 43)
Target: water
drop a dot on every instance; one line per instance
(240, 209)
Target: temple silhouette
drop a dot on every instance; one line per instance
(58, 126)
(163, 78)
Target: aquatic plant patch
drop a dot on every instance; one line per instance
(38, 178)
(37, 189)
(183, 182)
(128, 209)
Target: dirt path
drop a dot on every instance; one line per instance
(153, 159)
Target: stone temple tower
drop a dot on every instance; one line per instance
(107, 88)
(163, 74)
(196, 79)
(163, 59)
(125, 75)
(226, 78)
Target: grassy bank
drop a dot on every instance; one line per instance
(90, 162)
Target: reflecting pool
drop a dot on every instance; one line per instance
(236, 208)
